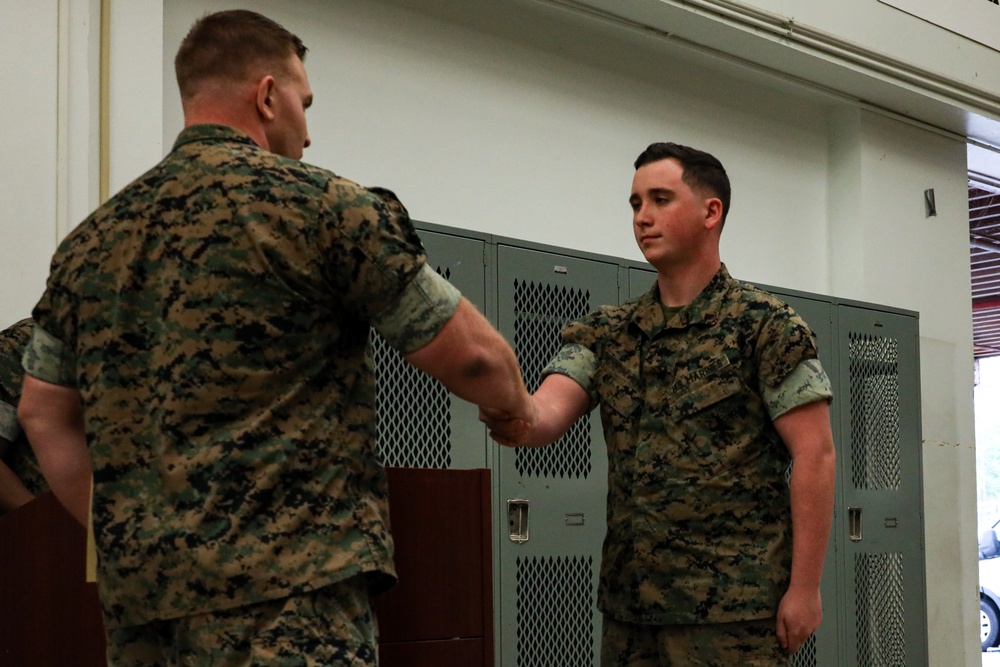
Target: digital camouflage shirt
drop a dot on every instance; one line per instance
(214, 316)
(18, 455)
(699, 518)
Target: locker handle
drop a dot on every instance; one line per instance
(854, 523)
(517, 520)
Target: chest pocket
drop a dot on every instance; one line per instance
(704, 388)
(617, 387)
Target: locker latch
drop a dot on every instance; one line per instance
(517, 520)
(854, 523)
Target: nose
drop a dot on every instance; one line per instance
(308, 142)
(640, 215)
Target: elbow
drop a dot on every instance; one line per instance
(27, 414)
(476, 366)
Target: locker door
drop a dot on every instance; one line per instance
(548, 570)
(881, 518)
(420, 424)
(823, 648)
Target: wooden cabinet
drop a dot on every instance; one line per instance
(441, 612)
(48, 614)
(439, 615)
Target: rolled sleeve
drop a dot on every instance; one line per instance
(579, 364)
(806, 383)
(421, 310)
(49, 359)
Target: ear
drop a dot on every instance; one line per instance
(713, 212)
(265, 97)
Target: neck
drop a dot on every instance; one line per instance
(679, 286)
(205, 109)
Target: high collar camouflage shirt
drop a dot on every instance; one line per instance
(699, 519)
(214, 316)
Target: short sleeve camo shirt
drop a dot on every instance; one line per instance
(699, 519)
(217, 314)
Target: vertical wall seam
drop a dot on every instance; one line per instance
(105, 97)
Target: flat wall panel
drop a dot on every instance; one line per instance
(29, 50)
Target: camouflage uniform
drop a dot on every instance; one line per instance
(214, 316)
(18, 456)
(699, 525)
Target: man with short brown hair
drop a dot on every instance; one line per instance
(204, 340)
(709, 388)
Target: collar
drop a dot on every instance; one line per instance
(209, 132)
(648, 313)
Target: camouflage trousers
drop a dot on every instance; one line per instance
(334, 625)
(746, 643)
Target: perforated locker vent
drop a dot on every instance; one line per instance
(878, 580)
(540, 313)
(413, 411)
(806, 655)
(555, 617)
(874, 386)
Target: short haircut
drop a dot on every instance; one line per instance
(233, 45)
(702, 171)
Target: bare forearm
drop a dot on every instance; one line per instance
(490, 376)
(812, 488)
(70, 481)
(474, 362)
(53, 421)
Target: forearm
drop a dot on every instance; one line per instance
(812, 488)
(473, 361)
(53, 421)
(560, 402)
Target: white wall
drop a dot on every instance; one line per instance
(136, 90)
(28, 212)
(488, 135)
(886, 250)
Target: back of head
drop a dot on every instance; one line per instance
(702, 171)
(233, 46)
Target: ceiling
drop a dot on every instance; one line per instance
(984, 251)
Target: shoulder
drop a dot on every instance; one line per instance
(757, 307)
(610, 317)
(600, 325)
(756, 299)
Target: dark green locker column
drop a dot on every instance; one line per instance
(420, 424)
(881, 518)
(551, 506)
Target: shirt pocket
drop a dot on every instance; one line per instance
(706, 387)
(618, 388)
